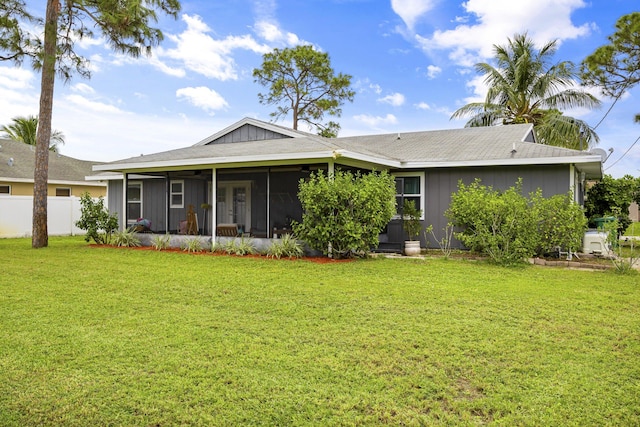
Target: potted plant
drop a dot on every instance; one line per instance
(412, 226)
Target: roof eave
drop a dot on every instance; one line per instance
(588, 159)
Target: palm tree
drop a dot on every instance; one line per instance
(23, 129)
(523, 88)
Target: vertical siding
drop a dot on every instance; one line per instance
(248, 133)
(114, 201)
(154, 206)
(441, 183)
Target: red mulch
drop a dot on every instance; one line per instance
(314, 259)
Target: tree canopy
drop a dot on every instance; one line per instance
(524, 87)
(124, 24)
(24, 129)
(301, 81)
(615, 67)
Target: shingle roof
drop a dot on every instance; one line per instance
(61, 168)
(454, 147)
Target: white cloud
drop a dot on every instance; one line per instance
(375, 121)
(478, 88)
(95, 106)
(15, 78)
(411, 10)
(433, 71)
(17, 93)
(83, 88)
(395, 99)
(422, 106)
(197, 51)
(203, 97)
(272, 33)
(493, 21)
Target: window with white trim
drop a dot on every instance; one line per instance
(134, 201)
(409, 186)
(63, 192)
(5, 189)
(177, 193)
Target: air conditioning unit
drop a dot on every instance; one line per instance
(595, 242)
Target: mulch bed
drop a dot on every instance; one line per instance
(314, 259)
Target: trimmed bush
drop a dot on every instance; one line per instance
(509, 227)
(344, 213)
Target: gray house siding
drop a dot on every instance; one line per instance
(440, 183)
(114, 195)
(248, 133)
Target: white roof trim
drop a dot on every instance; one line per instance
(53, 182)
(505, 162)
(216, 161)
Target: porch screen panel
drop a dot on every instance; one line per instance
(240, 207)
(134, 201)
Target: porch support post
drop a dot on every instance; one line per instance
(125, 197)
(331, 166)
(268, 224)
(167, 221)
(214, 203)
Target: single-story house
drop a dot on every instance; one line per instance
(67, 182)
(247, 174)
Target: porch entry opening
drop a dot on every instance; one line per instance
(134, 201)
(233, 205)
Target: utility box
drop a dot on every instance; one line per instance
(596, 242)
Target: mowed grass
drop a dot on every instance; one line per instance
(633, 229)
(104, 336)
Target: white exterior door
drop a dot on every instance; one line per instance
(233, 205)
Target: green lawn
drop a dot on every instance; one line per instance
(633, 229)
(101, 336)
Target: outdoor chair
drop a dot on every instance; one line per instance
(227, 230)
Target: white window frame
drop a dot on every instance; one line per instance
(421, 195)
(63, 188)
(8, 193)
(126, 209)
(175, 193)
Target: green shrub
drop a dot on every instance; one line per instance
(344, 213)
(192, 245)
(161, 242)
(287, 246)
(411, 219)
(499, 224)
(509, 227)
(561, 222)
(235, 246)
(96, 220)
(126, 238)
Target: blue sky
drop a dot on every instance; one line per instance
(411, 63)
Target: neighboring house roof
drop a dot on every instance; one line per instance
(17, 164)
(482, 146)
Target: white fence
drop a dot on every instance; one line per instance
(16, 216)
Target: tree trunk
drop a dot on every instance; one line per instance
(40, 235)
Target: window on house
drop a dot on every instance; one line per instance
(63, 192)
(409, 187)
(177, 194)
(5, 189)
(134, 201)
